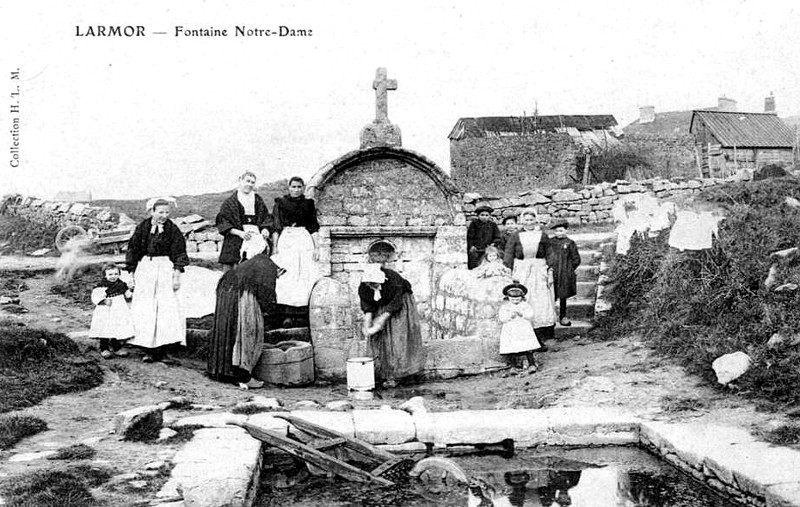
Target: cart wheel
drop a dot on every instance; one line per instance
(68, 233)
(439, 477)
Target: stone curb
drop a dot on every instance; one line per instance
(728, 459)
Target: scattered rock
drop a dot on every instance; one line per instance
(786, 287)
(160, 384)
(138, 484)
(4, 300)
(415, 405)
(731, 366)
(92, 440)
(55, 319)
(307, 405)
(141, 423)
(166, 434)
(123, 478)
(39, 252)
(264, 402)
(155, 465)
(339, 406)
(30, 456)
(218, 420)
(776, 340)
(198, 406)
(792, 202)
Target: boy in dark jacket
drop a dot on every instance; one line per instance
(564, 259)
(480, 234)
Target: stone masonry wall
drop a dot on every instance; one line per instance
(383, 192)
(674, 155)
(589, 205)
(506, 165)
(201, 236)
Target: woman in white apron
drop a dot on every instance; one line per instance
(296, 240)
(156, 256)
(244, 222)
(526, 255)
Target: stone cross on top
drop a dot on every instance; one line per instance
(382, 85)
(381, 132)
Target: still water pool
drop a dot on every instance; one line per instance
(595, 477)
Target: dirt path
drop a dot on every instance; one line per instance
(620, 374)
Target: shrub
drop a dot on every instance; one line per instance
(614, 164)
(697, 306)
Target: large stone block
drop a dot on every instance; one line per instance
(384, 426)
(217, 468)
(331, 324)
(141, 423)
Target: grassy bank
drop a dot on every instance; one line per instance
(21, 237)
(697, 306)
(37, 363)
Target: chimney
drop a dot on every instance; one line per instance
(647, 114)
(769, 104)
(726, 104)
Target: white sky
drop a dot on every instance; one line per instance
(135, 117)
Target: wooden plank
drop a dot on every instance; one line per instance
(386, 465)
(311, 455)
(354, 444)
(324, 445)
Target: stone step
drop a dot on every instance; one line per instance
(580, 308)
(578, 327)
(586, 289)
(587, 273)
(593, 240)
(589, 257)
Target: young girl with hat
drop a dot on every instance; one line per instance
(517, 338)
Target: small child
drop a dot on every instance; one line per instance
(517, 338)
(112, 321)
(564, 259)
(492, 264)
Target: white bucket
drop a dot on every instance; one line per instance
(360, 374)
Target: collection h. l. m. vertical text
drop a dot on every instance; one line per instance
(14, 109)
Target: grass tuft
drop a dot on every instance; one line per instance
(47, 488)
(14, 428)
(74, 452)
(787, 434)
(37, 363)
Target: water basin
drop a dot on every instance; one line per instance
(551, 477)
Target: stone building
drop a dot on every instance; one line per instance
(499, 156)
(379, 201)
(729, 141)
(664, 139)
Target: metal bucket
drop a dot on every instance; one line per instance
(360, 374)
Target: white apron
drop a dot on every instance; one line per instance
(114, 321)
(533, 274)
(517, 334)
(296, 256)
(157, 316)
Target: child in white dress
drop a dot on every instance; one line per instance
(112, 321)
(517, 338)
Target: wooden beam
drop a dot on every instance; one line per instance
(350, 442)
(311, 455)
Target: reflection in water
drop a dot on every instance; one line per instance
(621, 477)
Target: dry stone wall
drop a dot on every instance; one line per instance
(503, 165)
(590, 205)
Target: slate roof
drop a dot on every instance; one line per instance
(670, 123)
(752, 130)
(489, 126)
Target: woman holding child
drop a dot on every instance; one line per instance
(526, 254)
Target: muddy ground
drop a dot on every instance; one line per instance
(620, 373)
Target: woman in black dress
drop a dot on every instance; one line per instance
(244, 294)
(391, 324)
(296, 240)
(242, 216)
